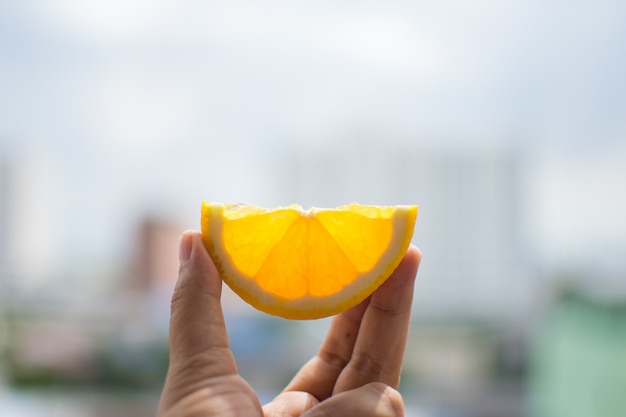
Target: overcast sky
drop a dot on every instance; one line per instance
(125, 105)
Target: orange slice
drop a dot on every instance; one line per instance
(306, 264)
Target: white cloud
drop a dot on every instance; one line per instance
(136, 108)
(386, 42)
(385, 39)
(111, 20)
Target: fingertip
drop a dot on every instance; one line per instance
(413, 255)
(399, 286)
(372, 399)
(391, 398)
(407, 269)
(196, 266)
(185, 245)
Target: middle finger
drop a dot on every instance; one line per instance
(379, 348)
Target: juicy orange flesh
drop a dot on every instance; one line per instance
(291, 254)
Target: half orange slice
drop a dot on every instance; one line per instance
(306, 264)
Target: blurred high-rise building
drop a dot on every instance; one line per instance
(470, 220)
(29, 202)
(4, 221)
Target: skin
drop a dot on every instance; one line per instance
(356, 371)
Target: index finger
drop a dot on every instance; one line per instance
(379, 348)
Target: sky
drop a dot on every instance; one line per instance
(119, 109)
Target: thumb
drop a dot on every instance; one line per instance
(372, 400)
(198, 337)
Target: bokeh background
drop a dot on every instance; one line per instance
(504, 121)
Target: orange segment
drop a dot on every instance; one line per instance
(283, 273)
(329, 269)
(354, 232)
(249, 240)
(306, 264)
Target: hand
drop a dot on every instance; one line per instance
(355, 373)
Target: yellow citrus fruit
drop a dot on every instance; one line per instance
(306, 264)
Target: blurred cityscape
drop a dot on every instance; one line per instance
(117, 120)
(494, 333)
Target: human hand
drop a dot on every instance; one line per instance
(355, 373)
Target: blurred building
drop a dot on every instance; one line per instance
(4, 279)
(578, 365)
(4, 221)
(29, 201)
(470, 220)
(157, 253)
(109, 336)
(155, 269)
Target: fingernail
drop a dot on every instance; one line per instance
(184, 247)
